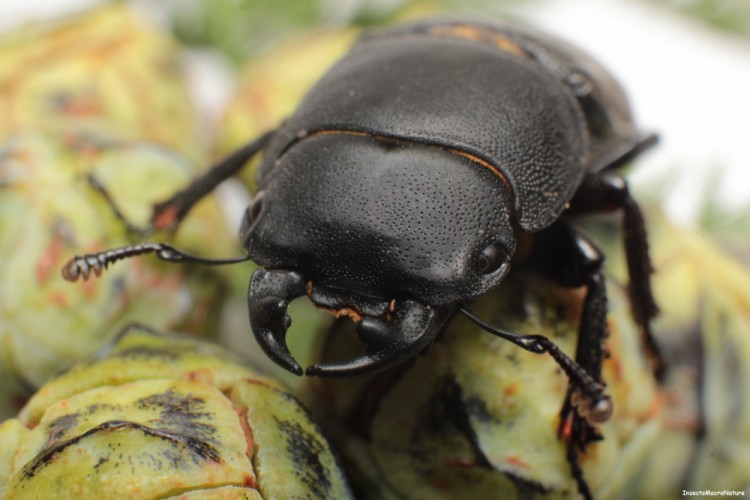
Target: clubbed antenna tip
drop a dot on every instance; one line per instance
(83, 265)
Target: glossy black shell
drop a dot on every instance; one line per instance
(382, 218)
(422, 147)
(537, 109)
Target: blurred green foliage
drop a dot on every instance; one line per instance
(729, 15)
(239, 28)
(727, 226)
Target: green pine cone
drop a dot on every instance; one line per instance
(165, 417)
(99, 96)
(477, 417)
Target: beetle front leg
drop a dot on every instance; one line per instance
(607, 191)
(169, 213)
(572, 260)
(576, 431)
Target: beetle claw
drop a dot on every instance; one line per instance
(413, 327)
(594, 410)
(268, 298)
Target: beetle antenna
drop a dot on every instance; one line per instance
(598, 405)
(84, 265)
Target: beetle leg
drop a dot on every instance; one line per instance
(608, 190)
(268, 298)
(575, 466)
(95, 183)
(411, 329)
(576, 426)
(169, 213)
(592, 402)
(572, 260)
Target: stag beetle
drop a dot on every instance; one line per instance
(413, 173)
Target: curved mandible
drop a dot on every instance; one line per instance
(269, 295)
(412, 328)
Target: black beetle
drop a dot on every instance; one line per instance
(411, 175)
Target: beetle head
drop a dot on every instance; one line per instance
(373, 224)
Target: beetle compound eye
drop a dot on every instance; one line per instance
(491, 258)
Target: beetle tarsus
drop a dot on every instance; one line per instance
(593, 411)
(575, 468)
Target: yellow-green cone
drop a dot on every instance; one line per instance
(160, 417)
(477, 417)
(98, 94)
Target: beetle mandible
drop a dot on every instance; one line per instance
(411, 175)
